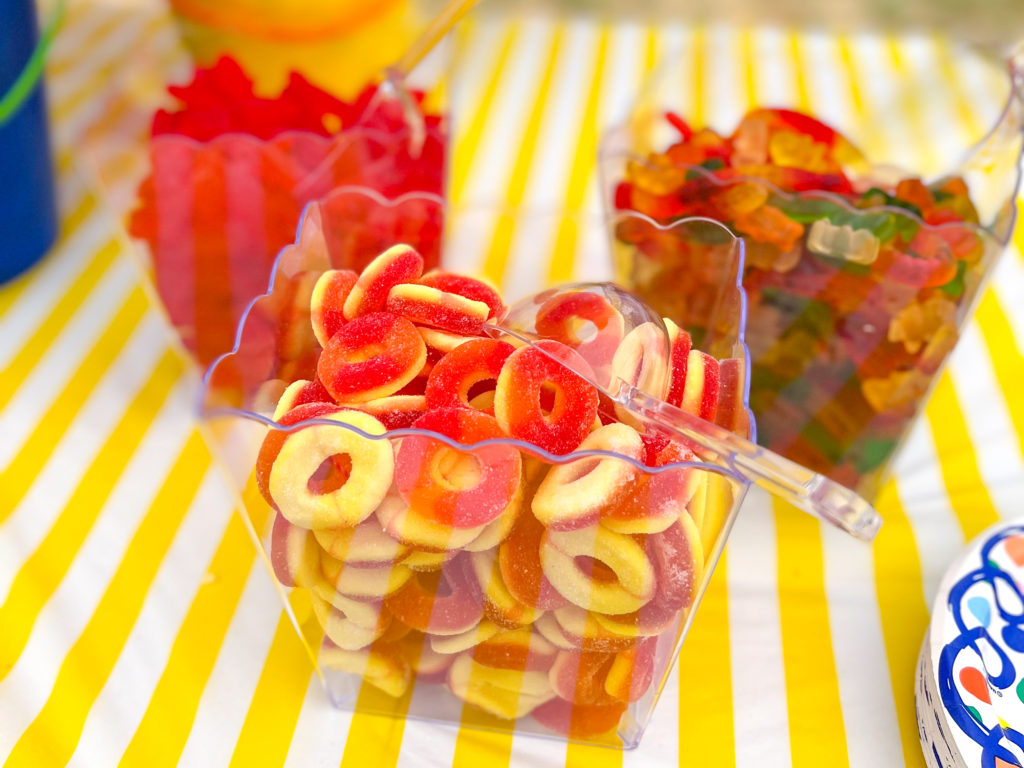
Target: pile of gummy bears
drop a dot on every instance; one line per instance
(855, 286)
(424, 494)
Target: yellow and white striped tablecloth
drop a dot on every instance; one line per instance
(137, 627)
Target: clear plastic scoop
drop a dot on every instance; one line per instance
(624, 351)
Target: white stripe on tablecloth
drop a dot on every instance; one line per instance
(25, 689)
(72, 456)
(321, 731)
(122, 702)
(232, 682)
(760, 711)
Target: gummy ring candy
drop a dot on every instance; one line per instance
(429, 306)
(547, 625)
(382, 665)
(616, 577)
(420, 560)
(521, 571)
(364, 613)
(516, 648)
(326, 302)
(469, 287)
(700, 391)
(505, 693)
(344, 633)
(418, 529)
(632, 671)
(542, 401)
(442, 341)
(439, 603)
(325, 475)
(396, 411)
(578, 721)
(464, 373)
(500, 529)
(499, 604)
(680, 344)
(294, 554)
(451, 644)
(579, 676)
(678, 559)
(398, 264)
(430, 666)
(657, 499)
(371, 357)
(642, 360)
(298, 393)
(362, 582)
(575, 494)
(582, 630)
(462, 489)
(364, 546)
(586, 322)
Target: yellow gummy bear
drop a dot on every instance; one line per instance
(797, 150)
(919, 322)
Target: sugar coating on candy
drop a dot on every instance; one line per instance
(294, 554)
(679, 351)
(463, 641)
(500, 606)
(396, 411)
(353, 581)
(642, 359)
(521, 570)
(584, 321)
(465, 372)
(436, 308)
(364, 545)
(582, 628)
(418, 527)
(578, 721)
(381, 665)
(441, 341)
(342, 631)
(327, 300)
(657, 499)
(700, 390)
(505, 693)
(517, 648)
(398, 264)
(301, 392)
(462, 489)
(439, 603)
(542, 401)
(471, 288)
(368, 613)
(371, 357)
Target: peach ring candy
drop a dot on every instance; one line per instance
(632, 671)
(429, 665)
(325, 475)
(438, 603)
(294, 554)
(363, 613)
(499, 604)
(398, 264)
(658, 498)
(382, 665)
(579, 721)
(440, 341)
(364, 546)
(642, 360)
(352, 581)
(469, 287)
(439, 309)
(521, 571)
(520, 648)
(467, 372)
(299, 393)
(418, 529)
(451, 644)
(678, 559)
(541, 400)
(343, 632)
(679, 351)
(505, 693)
(325, 305)
(587, 322)
(700, 391)
(579, 676)
(598, 569)
(371, 357)
(576, 494)
(396, 411)
(462, 489)
(582, 630)
(498, 530)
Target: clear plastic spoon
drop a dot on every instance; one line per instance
(624, 348)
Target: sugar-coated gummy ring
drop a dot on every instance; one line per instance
(362, 583)
(417, 528)
(587, 322)
(361, 612)
(576, 494)
(299, 393)
(371, 357)
(469, 365)
(619, 579)
(579, 676)
(289, 462)
(519, 561)
(341, 630)
(469, 287)
(382, 665)
(500, 606)
(294, 553)
(396, 411)
(328, 299)
(506, 693)
(366, 545)
(579, 721)
(527, 379)
(436, 308)
(398, 264)
(462, 489)
(642, 359)
(450, 644)
(439, 341)
(582, 630)
(441, 602)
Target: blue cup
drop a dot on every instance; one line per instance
(28, 210)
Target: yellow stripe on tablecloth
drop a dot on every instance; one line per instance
(53, 735)
(1006, 357)
(706, 732)
(41, 574)
(61, 61)
(562, 264)
(899, 587)
(17, 477)
(803, 101)
(28, 357)
(497, 255)
(376, 739)
(465, 150)
(812, 684)
(167, 722)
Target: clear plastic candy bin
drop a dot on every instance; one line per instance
(859, 274)
(454, 573)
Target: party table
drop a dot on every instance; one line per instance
(139, 627)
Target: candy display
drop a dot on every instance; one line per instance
(857, 283)
(461, 509)
(230, 173)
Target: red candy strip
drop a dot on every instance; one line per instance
(398, 264)
(436, 308)
(468, 287)
(325, 305)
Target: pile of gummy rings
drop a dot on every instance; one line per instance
(427, 493)
(855, 288)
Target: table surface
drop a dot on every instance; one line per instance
(136, 623)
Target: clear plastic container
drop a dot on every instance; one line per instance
(858, 281)
(474, 578)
